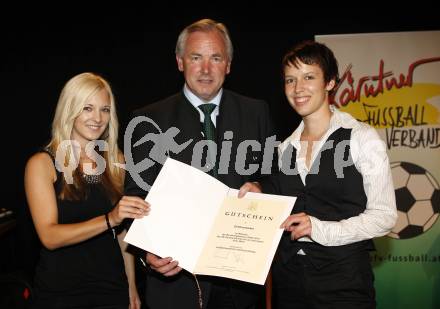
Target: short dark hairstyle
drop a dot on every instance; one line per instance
(311, 52)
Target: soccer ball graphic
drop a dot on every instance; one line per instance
(417, 199)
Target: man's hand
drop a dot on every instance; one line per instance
(165, 266)
(249, 187)
(299, 225)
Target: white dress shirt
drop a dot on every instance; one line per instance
(370, 158)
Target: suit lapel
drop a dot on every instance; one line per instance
(227, 119)
(187, 119)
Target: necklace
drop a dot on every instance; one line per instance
(92, 178)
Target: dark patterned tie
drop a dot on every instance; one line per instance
(209, 131)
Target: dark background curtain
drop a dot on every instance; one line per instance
(134, 50)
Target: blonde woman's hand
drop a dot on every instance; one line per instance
(128, 207)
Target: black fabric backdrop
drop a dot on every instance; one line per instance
(134, 50)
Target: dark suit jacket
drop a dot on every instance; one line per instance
(248, 119)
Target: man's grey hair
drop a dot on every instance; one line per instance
(205, 25)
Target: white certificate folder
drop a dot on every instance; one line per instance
(201, 223)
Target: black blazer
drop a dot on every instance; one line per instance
(248, 119)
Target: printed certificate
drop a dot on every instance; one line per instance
(201, 223)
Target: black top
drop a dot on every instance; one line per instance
(86, 274)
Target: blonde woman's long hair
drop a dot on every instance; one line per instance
(75, 94)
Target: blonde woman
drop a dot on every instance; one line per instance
(74, 191)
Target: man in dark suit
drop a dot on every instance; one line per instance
(238, 128)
